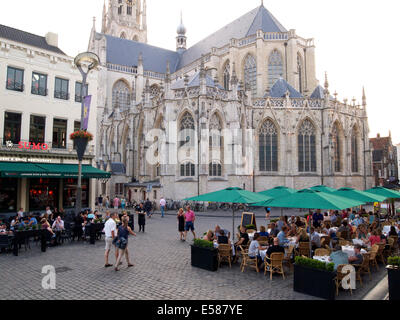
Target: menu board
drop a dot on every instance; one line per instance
(248, 218)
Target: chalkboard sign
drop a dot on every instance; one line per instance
(248, 218)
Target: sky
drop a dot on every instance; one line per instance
(356, 40)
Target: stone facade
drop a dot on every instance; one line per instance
(262, 82)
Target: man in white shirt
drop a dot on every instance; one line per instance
(58, 224)
(21, 212)
(110, 230)
(162, 206)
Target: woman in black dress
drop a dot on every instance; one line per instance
(181, 223)
(141, 217)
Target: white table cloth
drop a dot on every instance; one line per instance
(350, 250)
(358, 241)
(325, 259)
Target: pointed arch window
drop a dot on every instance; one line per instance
(354, 150)
(275, 67)
(215, 146)
(121, 96)
(336, 147)
(300, 72)
(268, 147)
(186, 136)
(306, 147)
(250, 73)
(227, 76)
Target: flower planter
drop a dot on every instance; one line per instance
(314, 282)
(204, 258)
(394, 282)
(81, 144)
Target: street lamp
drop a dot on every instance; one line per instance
(85, 62)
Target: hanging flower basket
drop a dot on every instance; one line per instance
(81, 139)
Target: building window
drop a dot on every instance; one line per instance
(354, 150)
(129, 10)
(186, 137)
(227, 76)
(61, 89)
(336, 146)
(187, 169)
(119, 188)
(250, 74)
(60, 134)
(215, 169)
(120, 6)
(39, 84)
(307, 148)
(37, 129)
(78, 91)
(15, 79)
(8, 194)
(121, 96)
(275, 68)
(43, 193)
(69, 193)
(12, 127)
(268, 147)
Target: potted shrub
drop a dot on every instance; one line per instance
(251, 227)
(314, 278)
(393, 269)
(204, 255)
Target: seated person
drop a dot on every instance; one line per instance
(345, 227)
(91, 216)
(373, 239)
(303, 236)
(339, 257)
(209, 236)
(392, 232)
(275, 248)
(293, 231)
(244, 238)
(358, 221)
(358, 257)
(291, 220)
(58, 224)
(218, 229)
(3, 229)
(263, 232)
(282, 237)
(50, 233)
(333, 217)
(315, 239)
(274, 230)
(325, 228)
(32, 220)
(254, 248)
(299, 223)
(15, 222)
(382, 236)
(361, 233)
(222, 238)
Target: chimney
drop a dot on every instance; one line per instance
(52, 39)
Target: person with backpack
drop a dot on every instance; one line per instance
(148, 207)
(122, 242)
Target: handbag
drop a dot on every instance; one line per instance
(122, 243)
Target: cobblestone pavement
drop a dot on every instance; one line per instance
(162, 271)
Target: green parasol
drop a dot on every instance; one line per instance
(278, 192)
(323, 189)
(359, 195)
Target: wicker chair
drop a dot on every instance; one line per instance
(395, 247)
(275, 265)
(343, 242)
(288, 256)
(247, 261)
(322, 252)
(339, 278)
(325, 241)
(373, 254)
(304, 249)
(363, 268)
(225, 254)
(262, 239)
(379, 254)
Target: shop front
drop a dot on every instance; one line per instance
(34, 185)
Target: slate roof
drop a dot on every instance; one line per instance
(126, 52)
(194, 81)
(280, 88)
(27, 38)
(318, 93)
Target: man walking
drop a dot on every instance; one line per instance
(148, 207)
(110, 230)
(116, 203)
(162, 206)
(100, 202)
(189, 224)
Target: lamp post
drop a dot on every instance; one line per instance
(85, 62)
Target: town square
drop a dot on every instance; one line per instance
(156, 150)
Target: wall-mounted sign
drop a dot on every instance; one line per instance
(33, 146)
(20, 159)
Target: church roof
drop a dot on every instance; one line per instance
(318, 93)
(280, 88)
(194, 81)
(126, 53)
(257, 19)
(27, 38)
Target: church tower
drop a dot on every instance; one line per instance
(181, 38)
(126, 19)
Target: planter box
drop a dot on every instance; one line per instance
(394, 283)
(205, 258)
(314, 282)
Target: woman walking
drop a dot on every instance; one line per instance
(181, 223)
(122, 243)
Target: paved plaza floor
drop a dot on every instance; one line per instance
(162, 271)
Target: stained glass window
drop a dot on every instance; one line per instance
(336, 145)
(268, 147)
(275, 67)
(186, 136)
(307, 148)
(250, 74)
(354, 150)
(121, 97)
(227, 76)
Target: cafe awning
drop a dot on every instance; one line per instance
(49, 170)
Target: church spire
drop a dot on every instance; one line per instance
(104, 21)
(181, 38)
(364, 98)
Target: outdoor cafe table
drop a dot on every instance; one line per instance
(386, 230)
(350, 250)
